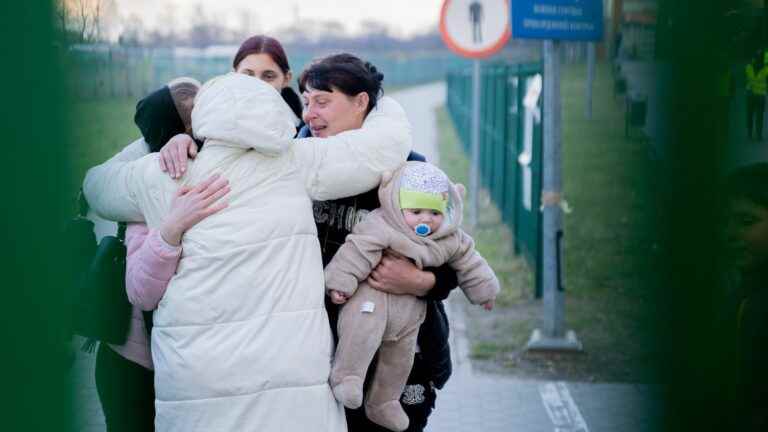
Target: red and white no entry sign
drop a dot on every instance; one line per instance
(475, 28)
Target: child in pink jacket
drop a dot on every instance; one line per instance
(151, 262)
(124, 373)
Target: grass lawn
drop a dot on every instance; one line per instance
(609, 247)
(103, 128)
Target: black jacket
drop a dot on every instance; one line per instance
(335, 220)
(753, 349)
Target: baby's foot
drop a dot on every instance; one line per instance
(389, 414)
(349, 392)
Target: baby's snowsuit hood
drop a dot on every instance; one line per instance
(389, 196)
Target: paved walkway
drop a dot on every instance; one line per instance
(476, 401)
(420, 104)
(471, 401)
(88, 417)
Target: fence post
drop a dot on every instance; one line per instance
(474, 168)
(590, 76)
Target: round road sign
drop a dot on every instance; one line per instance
(475, 28)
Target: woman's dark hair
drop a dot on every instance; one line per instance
(157, 118)
(166, 112)
(292, 100)
(346, 73)
(183, 92)
(261, 44)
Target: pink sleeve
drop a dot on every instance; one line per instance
(150, 265)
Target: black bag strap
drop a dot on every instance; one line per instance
(82, 211)
(82, 204)
(121, 226)
(148, 322)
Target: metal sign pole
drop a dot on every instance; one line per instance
(468, 30)
(553, 336)
(590, 76)
(474, 169)
(552, 222)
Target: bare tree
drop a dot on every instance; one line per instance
(95, 34)
(62, 15)
(133, 31)
(80, 20)
(205, 30)
(65, 22)
(82, 15)
(109, 18)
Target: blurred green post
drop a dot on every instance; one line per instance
(35, 165)
(698, 369)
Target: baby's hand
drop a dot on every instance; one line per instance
(489, 304)
(337, 297)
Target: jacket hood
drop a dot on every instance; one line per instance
(389, 196)
(241, 111)
(157, 118)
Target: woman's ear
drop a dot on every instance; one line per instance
(288, 78)
(361, 101)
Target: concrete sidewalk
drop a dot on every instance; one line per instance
(420, 104)
(88, 416)
(476, 401)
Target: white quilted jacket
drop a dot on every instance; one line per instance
(241, 340)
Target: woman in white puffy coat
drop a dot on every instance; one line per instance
(241, 340)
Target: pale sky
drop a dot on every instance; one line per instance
(403, 17)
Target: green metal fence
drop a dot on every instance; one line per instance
(510, 146)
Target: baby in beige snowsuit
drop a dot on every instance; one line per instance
(419, 218)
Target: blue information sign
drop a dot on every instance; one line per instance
(557, 19)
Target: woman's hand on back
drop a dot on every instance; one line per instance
(191, 205)
(175, 154)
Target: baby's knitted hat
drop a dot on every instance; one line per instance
(424, 186)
